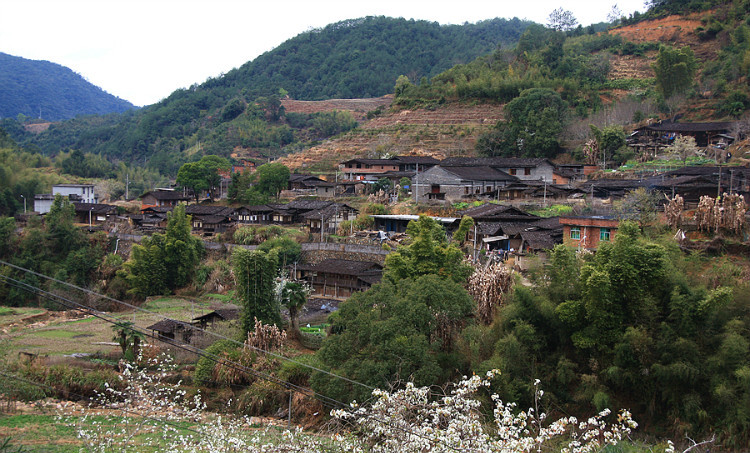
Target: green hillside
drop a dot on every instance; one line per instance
(361, 58)
(354, 58)
(54, 92)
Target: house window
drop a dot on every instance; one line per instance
(604, 234)
(512, 171)
(489, 189)
(466, 190)
(527, 171)
(575, 233)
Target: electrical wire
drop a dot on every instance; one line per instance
(325, 400)
(184, 324)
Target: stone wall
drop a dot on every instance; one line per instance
(315, 252)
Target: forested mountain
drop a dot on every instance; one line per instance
(50, 91)
(354, 58)
(363, 57)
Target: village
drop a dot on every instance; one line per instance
(499, 194)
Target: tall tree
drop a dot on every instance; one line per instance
(164, 262)
(562, 20)
(271, 178)
(255, 272)
(534, 121)
(428, 252)
(675, 70)
(202, 175)
(182, 251)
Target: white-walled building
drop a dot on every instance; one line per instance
(83, 193)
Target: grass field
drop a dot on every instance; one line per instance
(50, 433)
(36, 331)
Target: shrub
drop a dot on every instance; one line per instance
(204, 369)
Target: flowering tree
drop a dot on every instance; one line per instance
(408, 420)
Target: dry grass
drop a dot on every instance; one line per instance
(57, 333)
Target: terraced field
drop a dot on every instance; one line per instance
(450, 130)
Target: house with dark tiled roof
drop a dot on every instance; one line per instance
(162, 197)
(705, 133)
(218, 315)
(209, 220)
(294, 211)
(171, 330)
(525, 169)
(460, 182)
(256, 214)
(312, 185)
(330, 217)
(339, 278)
(153, 218)
(94, 213)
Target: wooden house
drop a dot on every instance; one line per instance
(209, 220)
(222, 314)
(339, 278)
(94, 213)
(330, 217)
(162, 197)
(171, 330)
(257, 214)
(153, 218)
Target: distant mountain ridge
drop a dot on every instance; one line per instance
(29, 87)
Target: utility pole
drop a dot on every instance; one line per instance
(24, 203)
(416, 185)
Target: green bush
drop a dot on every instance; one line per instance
(298, 373)
(204, 369)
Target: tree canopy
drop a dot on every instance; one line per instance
(202, 175)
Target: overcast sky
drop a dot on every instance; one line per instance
(143, 50)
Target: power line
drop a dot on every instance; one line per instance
(328, 401)
(184, 324)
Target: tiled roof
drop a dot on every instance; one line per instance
(429, 160)
(95, 208)
(541, 240)
(343, 267)
(329, 211)
(307, 205)
(167, 326)
(165, 195)
(196, 209)
(497, 211)
(223, 313)
(479, 173)
(501, 162)
(691, 127)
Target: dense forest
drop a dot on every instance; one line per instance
(363, 57)
(40, 89)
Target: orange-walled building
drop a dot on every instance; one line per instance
(588, 231)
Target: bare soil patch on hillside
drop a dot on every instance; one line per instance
(674, 30)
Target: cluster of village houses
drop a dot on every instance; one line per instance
(503, 231)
